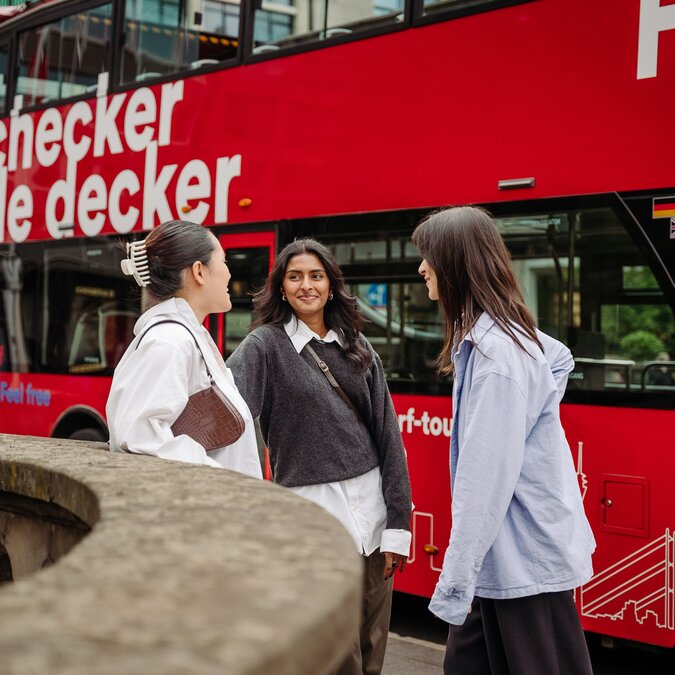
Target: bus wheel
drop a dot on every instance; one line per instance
(88, 434)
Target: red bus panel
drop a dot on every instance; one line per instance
(632, 594)
(430, 115)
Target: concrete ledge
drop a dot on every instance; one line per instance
(186, 570)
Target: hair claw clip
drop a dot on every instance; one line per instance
(136, 263)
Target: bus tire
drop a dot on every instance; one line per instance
(87, 434)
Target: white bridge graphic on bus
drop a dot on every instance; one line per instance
(639, 587)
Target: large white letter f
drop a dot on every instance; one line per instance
(653, 20)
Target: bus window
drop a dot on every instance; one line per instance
(100, 337)
(404, 327)
(18, 281)
(538, 245)
(284, 23)
(588, 284)
(432, 7)
(64, 58)
(168, 36)
(402, 324)
(585, 280)
(4, 60)
(89, 308)
(659, 373)
(249, 268)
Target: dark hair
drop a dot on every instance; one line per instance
(340, 314)
(473, 271)
(172, 247)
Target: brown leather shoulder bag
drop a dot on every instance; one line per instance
(209, 417)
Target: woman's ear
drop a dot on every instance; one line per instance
(197, 272)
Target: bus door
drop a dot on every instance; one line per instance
(249, 256)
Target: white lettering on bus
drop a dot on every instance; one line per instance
(430, 426)
(91, 202)
(3, 138)
(80, 112)
(172, 93)
(19, 210)
(227, 168)
(186, 190)
(126, 181)
(20, 126)
(154, 188)
(141, 112)
(62, 191)
(105, 129)
(654, 19)
(47, 134)
(139, 122)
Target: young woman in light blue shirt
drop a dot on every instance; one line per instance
(520, 541)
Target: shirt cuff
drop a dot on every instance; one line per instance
(396, 541)
(449, 607)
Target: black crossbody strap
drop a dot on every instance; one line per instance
(334, 383)
(180, 323)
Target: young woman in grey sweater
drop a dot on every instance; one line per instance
(350, 462)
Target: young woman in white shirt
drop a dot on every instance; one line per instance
(181, 267)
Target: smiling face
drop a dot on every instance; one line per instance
(306, 286)
(430, 279)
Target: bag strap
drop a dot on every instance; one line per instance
(334, 383)
(180, 323)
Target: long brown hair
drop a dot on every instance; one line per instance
(341, 313)
(473, 270)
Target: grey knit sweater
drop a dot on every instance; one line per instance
(312, 435)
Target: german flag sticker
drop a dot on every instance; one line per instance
(663, 207)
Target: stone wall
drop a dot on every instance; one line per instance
(186, 569)
(35, 533)
(30, 542)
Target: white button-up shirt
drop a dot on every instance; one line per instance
(357, 502)
(151, 386)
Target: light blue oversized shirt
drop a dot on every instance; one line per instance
(518, 522)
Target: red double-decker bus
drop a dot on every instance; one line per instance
(347, 120)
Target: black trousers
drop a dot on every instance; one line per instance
(535, 635)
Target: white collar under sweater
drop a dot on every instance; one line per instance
(300, 334)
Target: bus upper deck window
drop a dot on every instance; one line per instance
(433, 6)
(285, 23)
(168, 36)
(3, 74)
(64, 58)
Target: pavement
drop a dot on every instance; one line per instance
(412, 656)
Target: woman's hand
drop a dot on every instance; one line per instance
(393, 562)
